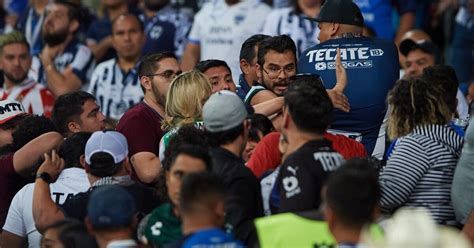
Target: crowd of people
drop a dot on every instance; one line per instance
(236, 123)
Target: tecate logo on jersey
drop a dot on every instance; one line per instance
(355, 57)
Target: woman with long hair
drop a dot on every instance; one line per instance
(187, 94)
(419, 171)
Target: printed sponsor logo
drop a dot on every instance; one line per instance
(290, 183)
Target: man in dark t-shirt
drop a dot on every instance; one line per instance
(142, 123)
(306, 115)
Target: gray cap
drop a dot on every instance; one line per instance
(223, 111)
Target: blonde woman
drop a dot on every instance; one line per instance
(187, 94)
(419, 171)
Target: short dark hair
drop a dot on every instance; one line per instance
(187, 134)
(204, 188)
(279, 44)
(103, 165)
(247, 51)
(149, 64)
(67, 108)
(195, 151)
(445, 77)
(309, 104)
(180, 148)
(140, 23)
(72, 149)
(352, 192)
(74, 10)
(205, 65)
(259, 122)
(73, 233)
(225, 137)
(28, 129)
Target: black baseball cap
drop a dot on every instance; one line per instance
(340, 11)
(409, 45)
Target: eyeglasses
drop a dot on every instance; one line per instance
(273, 73)
(168, 74)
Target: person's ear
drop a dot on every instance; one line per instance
(73, 26)
(219, 210)
(127, 166)
(376, 212)
(89, 227)
(74, 127)
(146, 82)
(286, 119)
(334, 29)
(244, 66)
(82, 161)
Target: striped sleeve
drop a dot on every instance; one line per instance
(405, 168)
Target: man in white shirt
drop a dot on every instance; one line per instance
(19, 228)
(220, 28)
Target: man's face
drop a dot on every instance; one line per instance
(168, 69)
(16, 62)
(127, 37)
(416, 61)
(277, 70)
(251, 71)
(91, 119)
(220, 79)
(56, 24)
(183, 165)
(324, 31)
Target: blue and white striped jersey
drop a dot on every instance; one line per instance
(420, 171)
(78, 56)
(116, 91)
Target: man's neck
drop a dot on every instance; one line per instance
(150, 100)
(310, 9)
(127, 64)
(9, 84)
(248, 80)
(343, 235)
(297, 139)
(104, 237)
(196, 223)
(234, 148)
(115, 12)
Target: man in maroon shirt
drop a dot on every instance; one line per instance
(141, 124)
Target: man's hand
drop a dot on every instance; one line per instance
(48, 54)
(336, 94)
(53, 165)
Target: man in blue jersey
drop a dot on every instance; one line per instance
(166, 27)
(372, 69)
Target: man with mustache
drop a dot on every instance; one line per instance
(64, 64)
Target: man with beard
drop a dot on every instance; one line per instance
(15, 60)
(64, 64)
(115, 82)
(141, 124)
(166, 27)
(276, 65)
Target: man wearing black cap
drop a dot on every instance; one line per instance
(372, 69)
(419, 55)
